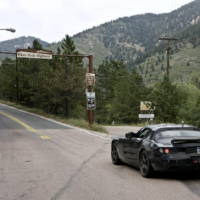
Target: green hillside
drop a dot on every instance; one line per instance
(184, 59)
(19, 43)
(121, 46)
(135, 41)
(132, 39)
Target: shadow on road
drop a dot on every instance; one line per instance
(182, 176)
(191, 179)
(175, 175)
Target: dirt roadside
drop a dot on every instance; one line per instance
(121, 130)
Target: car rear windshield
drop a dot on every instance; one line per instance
(177, 133)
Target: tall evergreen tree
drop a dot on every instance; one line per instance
(167, 100)
(119, 93)
(69, 80)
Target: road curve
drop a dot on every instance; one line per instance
(57, 162)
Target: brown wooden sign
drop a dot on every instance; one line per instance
(35, 54)
(90, 79)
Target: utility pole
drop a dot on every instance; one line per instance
(168, 39)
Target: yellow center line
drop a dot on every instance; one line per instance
(45, 137)
(26, 126)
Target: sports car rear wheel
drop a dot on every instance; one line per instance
(145, 165)
(115, 156)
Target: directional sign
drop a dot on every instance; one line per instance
(146, 116)
(37, 54)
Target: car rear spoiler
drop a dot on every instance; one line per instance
(181, 140)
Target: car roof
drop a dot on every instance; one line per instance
(156, 127)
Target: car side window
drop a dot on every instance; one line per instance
(145, 133)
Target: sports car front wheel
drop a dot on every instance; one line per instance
(145, 165)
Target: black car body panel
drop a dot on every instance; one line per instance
(165, 150)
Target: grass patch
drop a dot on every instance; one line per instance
(70, 121)
(84, 124)
(129, 124)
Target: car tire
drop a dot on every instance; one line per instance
(146, 169)
(114, 155)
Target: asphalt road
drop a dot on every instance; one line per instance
(45, 160)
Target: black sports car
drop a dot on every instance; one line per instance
(160, 147)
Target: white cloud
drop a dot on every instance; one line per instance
(52, 19)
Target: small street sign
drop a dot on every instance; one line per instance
(90, 79)
(91, 104)
(146, 116)
(31, 53)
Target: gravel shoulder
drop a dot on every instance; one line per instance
(121, 130)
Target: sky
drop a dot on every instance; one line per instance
(51, 20)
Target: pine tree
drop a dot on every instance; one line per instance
(69, 80)
(167, 101)
(119, 93)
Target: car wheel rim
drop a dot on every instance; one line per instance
(144, 164)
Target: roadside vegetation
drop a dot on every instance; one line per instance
(82, 123)
(119, 93)
(56, 89)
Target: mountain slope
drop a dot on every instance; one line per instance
(184, 59)
(19, 43)
(133, 38)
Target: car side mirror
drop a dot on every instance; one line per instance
(130, 135)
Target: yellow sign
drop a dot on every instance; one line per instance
(145, 105)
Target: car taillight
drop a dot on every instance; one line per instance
(165, 150)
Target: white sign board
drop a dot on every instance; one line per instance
(91, 104)
(146, 116)
(90, 79)
(37, 55)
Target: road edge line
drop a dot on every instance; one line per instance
(23, 124)
(96, 134)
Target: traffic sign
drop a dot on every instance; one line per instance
(91, 104)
